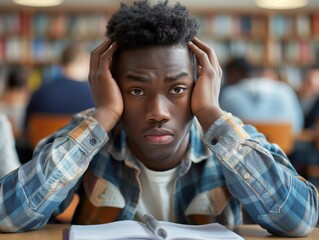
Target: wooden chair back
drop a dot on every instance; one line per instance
(41, 125)
(280, 133)
(67, 215)
(312, 169)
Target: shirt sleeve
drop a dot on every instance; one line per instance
(262, 178)
(29, 195)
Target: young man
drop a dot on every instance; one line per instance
(140, 150)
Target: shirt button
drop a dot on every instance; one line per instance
(54, 186)
(246, 176)
(93, 141)
(214, 141)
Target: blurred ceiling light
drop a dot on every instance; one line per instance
(38, 3)
(281, 4)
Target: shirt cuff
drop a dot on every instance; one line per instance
(90, 135)
(225, 133)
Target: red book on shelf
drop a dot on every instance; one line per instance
(58, 26)
(1, 49)
(305, 54)
(24, 21)
(315, 25)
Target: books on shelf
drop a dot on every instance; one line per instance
(315, 25)
(1, 49)
(149, 229)
(281, 26)
(14, 49)
(303, 26)
(37, 37)
(11, 24)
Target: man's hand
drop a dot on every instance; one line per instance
(205, 96)
(106, 93)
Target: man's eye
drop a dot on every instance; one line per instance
(137, 92)
(177, 90)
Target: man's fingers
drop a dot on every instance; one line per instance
(200, 55)
(207, 49)
(96, 54)
(106, 57)
(206, 55)
(203, 46)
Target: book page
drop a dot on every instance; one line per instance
(213, 231)
(135, 230)
(111, 231)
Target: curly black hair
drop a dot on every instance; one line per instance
(143, 25)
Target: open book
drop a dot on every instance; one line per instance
(150, 229)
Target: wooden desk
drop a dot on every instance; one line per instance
(54, 232)
(254, 232)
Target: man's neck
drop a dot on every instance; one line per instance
(74, 74)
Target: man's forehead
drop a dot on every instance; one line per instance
(168, 53)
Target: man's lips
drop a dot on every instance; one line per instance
(159, 136)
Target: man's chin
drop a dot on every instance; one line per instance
(159, 156)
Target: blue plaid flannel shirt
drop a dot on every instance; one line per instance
(257, 175)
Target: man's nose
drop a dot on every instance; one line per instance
(157, 109)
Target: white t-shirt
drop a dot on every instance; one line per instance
(9, 159)
(157, 197)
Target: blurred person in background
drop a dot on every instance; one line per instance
(259, 97)
(15, 96)
(71, 92)
(236, 68)
(309, 96)
(9, 159)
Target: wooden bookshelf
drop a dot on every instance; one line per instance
(37, 38)
(285, 40)
(232, 35)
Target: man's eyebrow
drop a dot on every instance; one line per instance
(176, 77)
(141, 78)
(137, 77)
